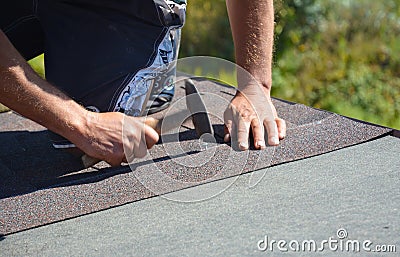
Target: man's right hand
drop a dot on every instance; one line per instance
(101, 135)
(115, 137)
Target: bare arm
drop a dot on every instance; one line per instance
(25, 92)
(252, 24)
(99, 135)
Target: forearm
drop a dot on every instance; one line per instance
(252, 24)
(26, 93)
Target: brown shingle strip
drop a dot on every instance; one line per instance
(396, 133)
(41, 185)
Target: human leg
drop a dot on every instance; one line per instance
(94, 48)
(104, 56)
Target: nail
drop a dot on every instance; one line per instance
(227, 138)
(260, 144)
(275, 141)
(243, 146)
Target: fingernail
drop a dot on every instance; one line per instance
(243, 146)
(227, 138)
(260, 144)
(275, 141)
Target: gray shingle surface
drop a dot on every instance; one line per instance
(43, 185)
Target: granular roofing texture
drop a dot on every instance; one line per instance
(40, 185)
(310, 199)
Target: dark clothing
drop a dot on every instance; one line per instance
(98, 51)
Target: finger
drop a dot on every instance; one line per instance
(115, 158)
(151, 136)
(243, 129)
(153, 123)
(145, 140)
(227, 131)
(228, 120)
(281, 123)
(115, 162)
(124, 160)
(129, 156)
(140, 150)
(272, 130)
(258, 133)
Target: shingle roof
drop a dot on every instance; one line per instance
(40, 185)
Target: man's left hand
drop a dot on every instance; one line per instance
(253, 109)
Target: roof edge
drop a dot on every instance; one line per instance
(396, 133)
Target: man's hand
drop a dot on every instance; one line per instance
(100, 135)
(253, 110)
(115, 137)
(252, 24)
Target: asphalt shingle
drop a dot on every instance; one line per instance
(44, 185)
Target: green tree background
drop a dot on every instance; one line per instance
(338, 55)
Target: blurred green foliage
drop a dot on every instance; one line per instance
(3, 108)
(342, 56)
(37, 65)
(207, 31)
